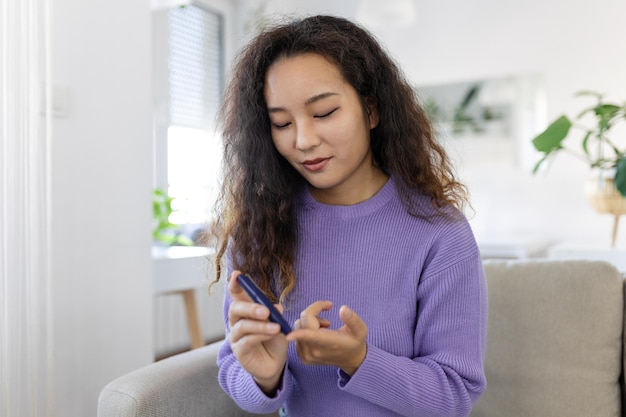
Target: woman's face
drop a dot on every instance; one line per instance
(319, 125)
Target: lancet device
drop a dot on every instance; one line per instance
(258, 297)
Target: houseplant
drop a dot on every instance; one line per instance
(163, 230)
(606, 192)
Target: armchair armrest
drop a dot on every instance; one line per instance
(184, 385)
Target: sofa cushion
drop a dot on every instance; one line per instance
(554, 340)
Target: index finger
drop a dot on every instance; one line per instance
(308, 317)
(316, 308)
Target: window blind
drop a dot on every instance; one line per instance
(195, 66)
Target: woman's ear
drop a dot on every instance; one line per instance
(372, 112)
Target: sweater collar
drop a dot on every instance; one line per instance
(369, 206)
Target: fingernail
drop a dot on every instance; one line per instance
(272, 327)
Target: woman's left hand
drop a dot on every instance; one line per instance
(318, 345)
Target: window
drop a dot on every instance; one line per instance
(189, 78)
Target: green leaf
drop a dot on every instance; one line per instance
(586, 143)
(620, 176)
(607, 110)
(605, 113)
(541, 161)
(183, 240)
(551, 138)
(588, 93)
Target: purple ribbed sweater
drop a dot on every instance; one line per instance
(420, 288)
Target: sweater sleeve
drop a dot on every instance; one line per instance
(241, 386)
(446, 376)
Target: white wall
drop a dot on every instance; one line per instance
(573, 46)
(101, 194)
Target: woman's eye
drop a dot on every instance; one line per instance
(281, 125)
(319, 116)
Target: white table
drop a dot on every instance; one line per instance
(180, 270)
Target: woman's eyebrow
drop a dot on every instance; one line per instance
(308, 101)
(319, 97)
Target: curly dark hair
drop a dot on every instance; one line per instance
(255, 212)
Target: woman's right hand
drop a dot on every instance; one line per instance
(257, 343)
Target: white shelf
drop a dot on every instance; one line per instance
(513, 248)
(566, 250)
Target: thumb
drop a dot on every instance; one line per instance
(235, 290)
(353, 322)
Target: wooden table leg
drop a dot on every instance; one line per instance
(193, 321)
(615, 227)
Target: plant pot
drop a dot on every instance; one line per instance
(604, 197)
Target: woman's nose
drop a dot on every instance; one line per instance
(306, 137)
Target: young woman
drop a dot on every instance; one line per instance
(339, 202)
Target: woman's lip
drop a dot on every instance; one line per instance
(314, 165)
